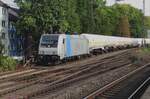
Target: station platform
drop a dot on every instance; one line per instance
(146, 95)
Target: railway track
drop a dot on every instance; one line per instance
(41, 81)
(139, 91)
(59, 78)
(69, 89)
(112, 90)
(11, 74)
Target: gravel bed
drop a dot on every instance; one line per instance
(81, 89)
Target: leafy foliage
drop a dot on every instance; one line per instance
(84, 16)
(7, 63)
(147, 22)
(134, 15)
(106, 21)
(123, 28)
(87, 12)
(43, 16)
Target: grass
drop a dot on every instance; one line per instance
(146, 50)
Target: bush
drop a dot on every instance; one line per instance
(7, 63)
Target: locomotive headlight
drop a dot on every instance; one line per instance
(41, 52)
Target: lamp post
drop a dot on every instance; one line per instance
(144, 41)
(115, 1)
(143, 6)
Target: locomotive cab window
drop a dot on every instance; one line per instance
(63, 41)
(50, 41)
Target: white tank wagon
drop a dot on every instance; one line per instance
(127, 42)
(140, 41)
(147, 41)
(99, 43)
(59, 47)
(55, 47)
(135, 42)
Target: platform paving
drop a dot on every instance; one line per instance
(146, 95)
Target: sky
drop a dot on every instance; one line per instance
(136, 3)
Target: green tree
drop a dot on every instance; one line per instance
(44, 16)
(134, 16)
(105, 21)
(123, 28)
(87, 11)
(71, 16)
(147, 22)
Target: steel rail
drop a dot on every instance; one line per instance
(139, 89)
(110, 85)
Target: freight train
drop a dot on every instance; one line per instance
(62, 47)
